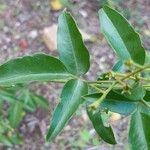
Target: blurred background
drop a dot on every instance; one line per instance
(30, 26)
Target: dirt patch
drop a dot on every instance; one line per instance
(21, 24)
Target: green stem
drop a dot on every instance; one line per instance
(123, 75)
(133, 78)
(59, 81)
(136, 65)
(99, 82)
(98, 102)
(96, 88)
(148, 85)
(107, 86)
(144, 79)
(145, 103)
(135, 72)
(64, 81)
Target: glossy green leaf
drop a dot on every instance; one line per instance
(121, 107)
(72, 50)
(137, 92)
(70, 101)
(15, 114)
(114, 102)
(139, 133)
(39, 67)
(121, 36)
(106, 133)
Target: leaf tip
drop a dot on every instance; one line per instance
(48, 137)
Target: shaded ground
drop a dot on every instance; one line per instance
(21, 24)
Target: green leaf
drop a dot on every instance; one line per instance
(15, 114)
(16, 139)
(145, 109)
(139, 133)
(70, 101)
(147, 96)
(118, 67)
(121, 36)
(72, 50)
(26, 99)
(137, 92)
(85, 135)
(106, 133)
(40, 101)
(114, 102)
(6, 96)
(147, 59)
(121, 107)
(146, 74)
(5, 141)
(39, 67)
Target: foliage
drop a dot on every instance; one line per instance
(124, 89)
(15, 102)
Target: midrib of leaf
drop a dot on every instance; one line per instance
(33, 75)
(142, 130)
(72, 45)
(120, 37)
(74, 89)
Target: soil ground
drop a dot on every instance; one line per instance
(21, 25)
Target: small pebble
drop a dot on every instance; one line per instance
(83, 13)
(33, 34)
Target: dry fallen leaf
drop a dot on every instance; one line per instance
(56, 5)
